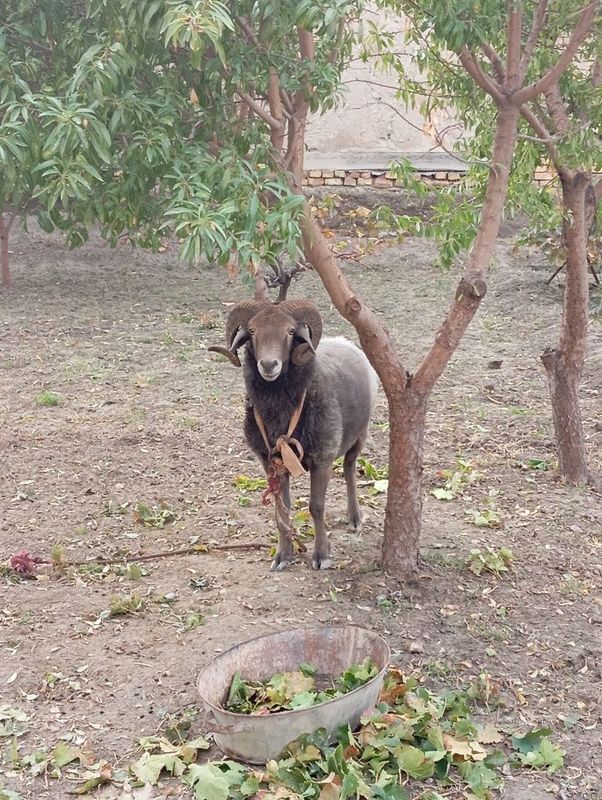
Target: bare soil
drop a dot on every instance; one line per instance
(146, 414)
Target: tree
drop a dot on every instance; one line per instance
(448, 27)
(112, 122)
(562, 126)
(573, 144)
(231, 88)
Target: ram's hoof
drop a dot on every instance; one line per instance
(279, 564)
(321, 563)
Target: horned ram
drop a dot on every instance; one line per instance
(324, 387)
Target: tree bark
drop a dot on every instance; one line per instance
(403, 513)
(472, 287)
(4, 260)
(564, 364)
(261, 289)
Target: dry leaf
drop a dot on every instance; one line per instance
(488, 734)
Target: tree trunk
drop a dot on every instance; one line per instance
(403, 513)
(4, 232)
(261, 288)
(564, 364)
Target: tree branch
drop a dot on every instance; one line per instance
(275, 100)
(544, 135)
(374, 338)
(276, 109)
(286, 101)
(578, 35)
(557, 110)
(13, 216)
(258, 109)
(474, 69)
(472, 287)
(307, 46)
(513, 42)
(249, 33)
(538, 23)
(296, 130)
(338, 41)
(495, 61)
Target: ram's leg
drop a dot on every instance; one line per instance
(284, 554)
(319, 483)
(354, 515)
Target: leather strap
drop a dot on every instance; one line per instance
(286, 458)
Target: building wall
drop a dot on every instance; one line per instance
(371, 119)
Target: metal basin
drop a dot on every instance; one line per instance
(331, 649)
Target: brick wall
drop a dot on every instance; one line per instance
(380, 179)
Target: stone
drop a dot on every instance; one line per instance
(383, 183)
(349, 181)
(333, 181)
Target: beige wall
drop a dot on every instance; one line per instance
(365, 123)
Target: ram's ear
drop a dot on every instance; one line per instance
(242, 336)
(304, 351)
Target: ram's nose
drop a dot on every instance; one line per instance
(269, 368)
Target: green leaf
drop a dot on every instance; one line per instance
(303, 700)
(62, 754)
(479, 778)
(208, 782)
(349, 786)
(414, 762)
(148, 768)
(527, 742)
(545, 754)
(442, 494)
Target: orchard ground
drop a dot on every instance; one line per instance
(140, 412)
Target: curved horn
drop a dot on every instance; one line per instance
(304, 311)
(238, 319)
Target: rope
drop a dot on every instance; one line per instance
(285, 458)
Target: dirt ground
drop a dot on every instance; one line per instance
(146, 415)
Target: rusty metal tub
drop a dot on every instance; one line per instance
(331, 649)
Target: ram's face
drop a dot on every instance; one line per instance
(277, 334)
(272, 333)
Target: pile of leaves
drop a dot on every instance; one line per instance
(415, 737)
(416, 744)
(288, 691)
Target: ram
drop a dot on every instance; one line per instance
(309, 401)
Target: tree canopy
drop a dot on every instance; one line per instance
(136, 117)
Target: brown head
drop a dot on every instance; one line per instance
(276, 332)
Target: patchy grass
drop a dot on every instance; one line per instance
(48, 399)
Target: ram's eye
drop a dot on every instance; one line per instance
(291, 332)
(251, 331)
